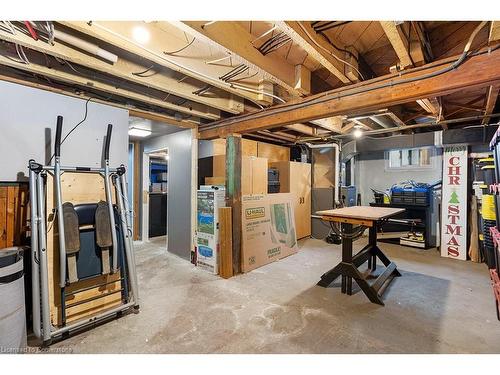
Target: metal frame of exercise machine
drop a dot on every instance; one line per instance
(42, 326)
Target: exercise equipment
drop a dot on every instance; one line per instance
(93, 239)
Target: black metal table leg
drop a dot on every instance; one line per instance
(348, 267)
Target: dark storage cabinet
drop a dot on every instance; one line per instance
(157, 214)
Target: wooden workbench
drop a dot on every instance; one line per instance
(369, 217)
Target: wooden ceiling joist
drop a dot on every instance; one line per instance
(74, 79)
(431, 105)
(133, 111)
(301, 128)
(409, 52)
(494, 31)
(235, 38)
(125, 69)
(319, 49)
(491, 100)
(192, 62)
(477, 71)
(333, 124)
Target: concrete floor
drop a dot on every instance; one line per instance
(438, 306)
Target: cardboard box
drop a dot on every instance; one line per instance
(207, 229)
(268, 229)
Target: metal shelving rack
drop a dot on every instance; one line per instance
(495, 231)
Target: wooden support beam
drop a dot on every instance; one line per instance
(494, 31)
(74, 79)
(233, 194)
(379, 121)
(319, 49)
(475, 72)
(164, 35)
(491, 99)
(280, 135)
(395, 118)
(409, 52)
(302, 80)
(301, 128)
(333, 124)
(431, 105)
(124, 69)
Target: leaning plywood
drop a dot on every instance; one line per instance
(13, 214)
(77, 188)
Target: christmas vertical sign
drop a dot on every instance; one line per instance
(454, 203)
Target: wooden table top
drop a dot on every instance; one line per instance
(362, 212)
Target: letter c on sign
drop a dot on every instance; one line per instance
(454, 160)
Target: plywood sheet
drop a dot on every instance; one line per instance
(13, 214)
(248, 147)
(77, 188)
(273, 152)
(253, 173)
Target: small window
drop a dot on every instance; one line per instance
(409, 158)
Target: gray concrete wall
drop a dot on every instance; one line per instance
(28, 120)
(179, 188)
(370, 173)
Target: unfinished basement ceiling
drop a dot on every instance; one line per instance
(197, 73)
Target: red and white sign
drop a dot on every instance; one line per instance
(454, 203)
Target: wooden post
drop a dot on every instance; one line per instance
(233, 194)
(226, 243)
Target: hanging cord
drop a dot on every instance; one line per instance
(329, 52)
(353, 235)
(143, 73)
(181, 49)
(77, 125)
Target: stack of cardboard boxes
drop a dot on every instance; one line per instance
(269, 230)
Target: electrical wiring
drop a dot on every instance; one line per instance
(21, 54)
(76, 126)
(163, 56)
(65, 62)
(31, 30)
(385, 82)
(239, 69)
(244, 78)
(329, 25)
(143, 73)
(244, 88)
(329, 52)
(181, 49)
(337, 47)
(277, 46)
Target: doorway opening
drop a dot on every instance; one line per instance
(155, 206)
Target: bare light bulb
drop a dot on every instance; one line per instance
(140, 34)
(358, 133)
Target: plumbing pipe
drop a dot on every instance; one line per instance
(84, 45)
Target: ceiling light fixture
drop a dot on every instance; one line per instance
(140, 34)
(137, 132)
(357, 133)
